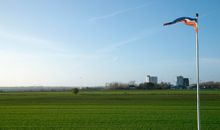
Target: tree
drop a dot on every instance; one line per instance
(147, 86)
(75, 91)
(163, 85)
(117, 86)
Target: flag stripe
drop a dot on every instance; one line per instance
(187, 20)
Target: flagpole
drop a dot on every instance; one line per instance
(197, 76)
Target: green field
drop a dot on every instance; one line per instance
(108, 110)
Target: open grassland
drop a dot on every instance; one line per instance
(107, 110)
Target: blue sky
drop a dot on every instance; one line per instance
(91, 42)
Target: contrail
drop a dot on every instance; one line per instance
(117, 12)
(141, 35)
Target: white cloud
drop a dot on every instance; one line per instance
(117, 45)
(30, 41)
(51, 48)
(141, 35)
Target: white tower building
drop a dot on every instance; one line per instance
(151, 79)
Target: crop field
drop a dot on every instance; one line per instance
(109, 110)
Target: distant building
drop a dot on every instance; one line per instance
(186, 82)
(182, 82)
(179, 81)
(151, 79)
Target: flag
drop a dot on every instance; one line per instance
(187, 20)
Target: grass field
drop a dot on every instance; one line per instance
(108, 110)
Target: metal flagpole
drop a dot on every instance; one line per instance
(197, 76)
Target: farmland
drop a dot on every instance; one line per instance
(108, 110)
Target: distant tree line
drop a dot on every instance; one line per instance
(162, 85)
(209, 85)
(132, 85)
(117, 85)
